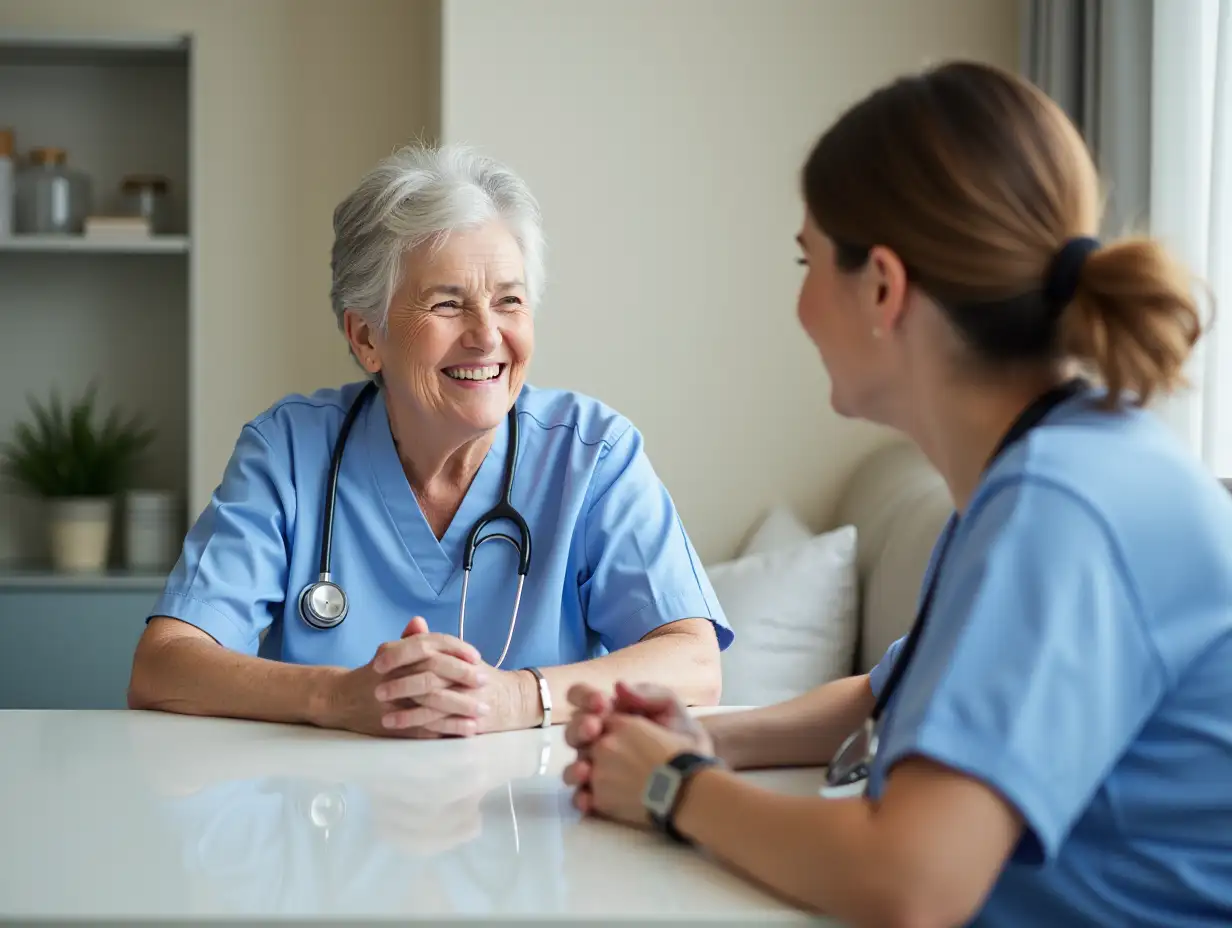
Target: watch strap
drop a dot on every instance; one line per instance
(545, 696)
(685, 765)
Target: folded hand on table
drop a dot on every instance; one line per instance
(619, 742)
(425, 685)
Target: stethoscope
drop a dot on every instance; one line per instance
(323, 604)
(848, 772)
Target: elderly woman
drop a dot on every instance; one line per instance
(329, 581)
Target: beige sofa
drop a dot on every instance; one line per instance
(898, 504)
(809, 607)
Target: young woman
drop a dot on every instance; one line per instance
(1052, 745)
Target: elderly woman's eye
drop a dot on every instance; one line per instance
(446, 305)
(511, 301)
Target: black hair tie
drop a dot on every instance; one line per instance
(1064, 272)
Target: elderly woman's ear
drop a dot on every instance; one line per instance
(360, 337)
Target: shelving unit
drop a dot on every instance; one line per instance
(112, 311)
(113, 580)
(155, 245)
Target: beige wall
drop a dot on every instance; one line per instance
(663, 140)
(293, 100)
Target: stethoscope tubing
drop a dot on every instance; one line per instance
(323, 605)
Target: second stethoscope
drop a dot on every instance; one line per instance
(323, 604)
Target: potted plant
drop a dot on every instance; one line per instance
(77, 467)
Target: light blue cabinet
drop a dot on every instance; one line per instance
(70, 645)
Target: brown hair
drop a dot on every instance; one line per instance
(977, 181)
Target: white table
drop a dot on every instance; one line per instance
(110, 817)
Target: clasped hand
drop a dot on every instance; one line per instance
(620, 741)
(425, 685)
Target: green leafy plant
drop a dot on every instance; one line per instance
(62, 452)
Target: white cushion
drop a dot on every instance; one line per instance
(779, 530)
(795, 613)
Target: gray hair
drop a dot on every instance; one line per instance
(420, 194)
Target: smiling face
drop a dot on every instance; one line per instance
(855, 317)
(460, 332)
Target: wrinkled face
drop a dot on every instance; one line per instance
(853, 318)
(460, 331)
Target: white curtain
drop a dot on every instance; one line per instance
(1191, 199)
(1093, 57)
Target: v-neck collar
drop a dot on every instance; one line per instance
(435, 561)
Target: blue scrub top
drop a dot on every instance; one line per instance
(610, 558)
(1078, 659)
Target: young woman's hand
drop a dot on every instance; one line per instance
(594, 712)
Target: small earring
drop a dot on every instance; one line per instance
(877, 333)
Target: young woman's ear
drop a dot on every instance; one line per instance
(889, 283)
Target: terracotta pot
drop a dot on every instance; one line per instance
(80, 534)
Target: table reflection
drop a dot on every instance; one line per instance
(155, 818)
(468, 827)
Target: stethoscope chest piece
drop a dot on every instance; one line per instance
(323, 604)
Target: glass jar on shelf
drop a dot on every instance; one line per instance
(145, 196)
(8, 183)
(52, 199)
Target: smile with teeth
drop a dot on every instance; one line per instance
(487, 372)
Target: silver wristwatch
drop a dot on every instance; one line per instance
(545, 697)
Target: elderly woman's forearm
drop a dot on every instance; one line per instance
(683, 657)
(196, 677)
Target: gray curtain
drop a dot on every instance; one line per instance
(1094, 58)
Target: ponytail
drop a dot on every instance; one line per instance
(1133, 319)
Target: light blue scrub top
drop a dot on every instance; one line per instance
(1078, 659)
(610, 557)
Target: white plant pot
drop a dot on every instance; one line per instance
(80, 534)
(148, 530)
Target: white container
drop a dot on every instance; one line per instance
(80, 534)
(150, 536)
(8, 183)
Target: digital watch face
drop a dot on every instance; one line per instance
(659, 791)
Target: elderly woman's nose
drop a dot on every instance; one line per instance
(481, 331)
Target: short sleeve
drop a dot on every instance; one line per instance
(880, 673)
(642, 570)
(1035, 671)
(232, 571)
